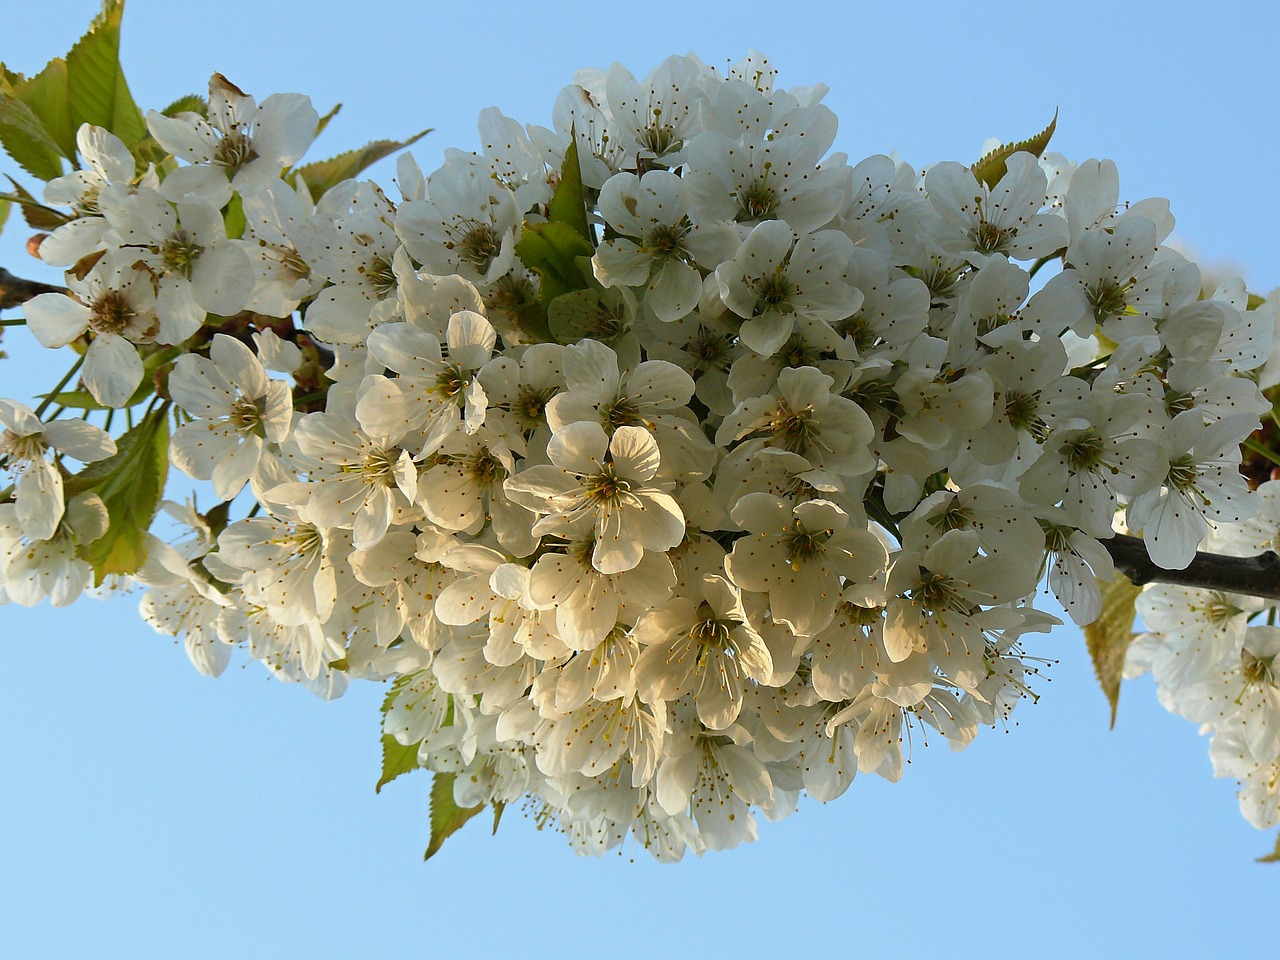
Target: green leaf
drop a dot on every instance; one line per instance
(991, 168)
(321, 175)
(324, 121)
(130, 484)
(551, 250)
(1274, 855)
(36, 214)
(394, 691)
(1255, 301)
(531, 320)
(592, 312)
(5, 206)
(95, 82)
(568, 203)
(233, 215)
(187, 103)
(27, 141)
(10, 80)
(49, 97)
(1109, 636)
(498, 807)
(83, 399)
(74, 400)
(397, 759)
(447, 818)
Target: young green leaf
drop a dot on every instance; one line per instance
(36, 214)
(323, 174)
(568, 203)
(130, 484)
(592, 312)
(10, 80)
(95, 82)
(991, 168)
(531, 320)
(83, 399)
(498, 807)
(324, 121)
(447, 818)
(397, 759)
(187, 103)
(551, 250)
(1274, 855)
(27, 141)
(1109, 636)
(49, 98)
(233, 217)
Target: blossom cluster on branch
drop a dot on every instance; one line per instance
(667, 464)
(1213, 655)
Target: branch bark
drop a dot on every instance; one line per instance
(1254, 576)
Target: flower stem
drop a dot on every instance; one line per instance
(44, 404)
(1262, 450)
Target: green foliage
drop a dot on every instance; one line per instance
(583, 313)
(48, 96)
(552, 250)
(447, 818)
(26, 140)
(497, 815)
(1109, 636)
(96, 86)
(324, 121)
(324, 174)
(1274, 855)
(991, 168)
(130, 484)
(555, 250)
(187, 103)
(83, 399)
(233, 217)
(39, 117)
(397, 758)
(569, 202)
(36, 214)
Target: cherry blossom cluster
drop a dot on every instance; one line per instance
(1213, 657)
(662, 510)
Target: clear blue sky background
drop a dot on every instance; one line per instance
(146, 811)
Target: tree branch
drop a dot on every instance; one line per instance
(1254, 576)
(14, 291)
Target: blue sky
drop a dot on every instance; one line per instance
(148, 811)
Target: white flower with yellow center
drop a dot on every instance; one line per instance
(706, 647)
(801, 555)
(239, 145)
(658, 247)
(117, 306)
(607, 484)
(25, 442)
(240, 411)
